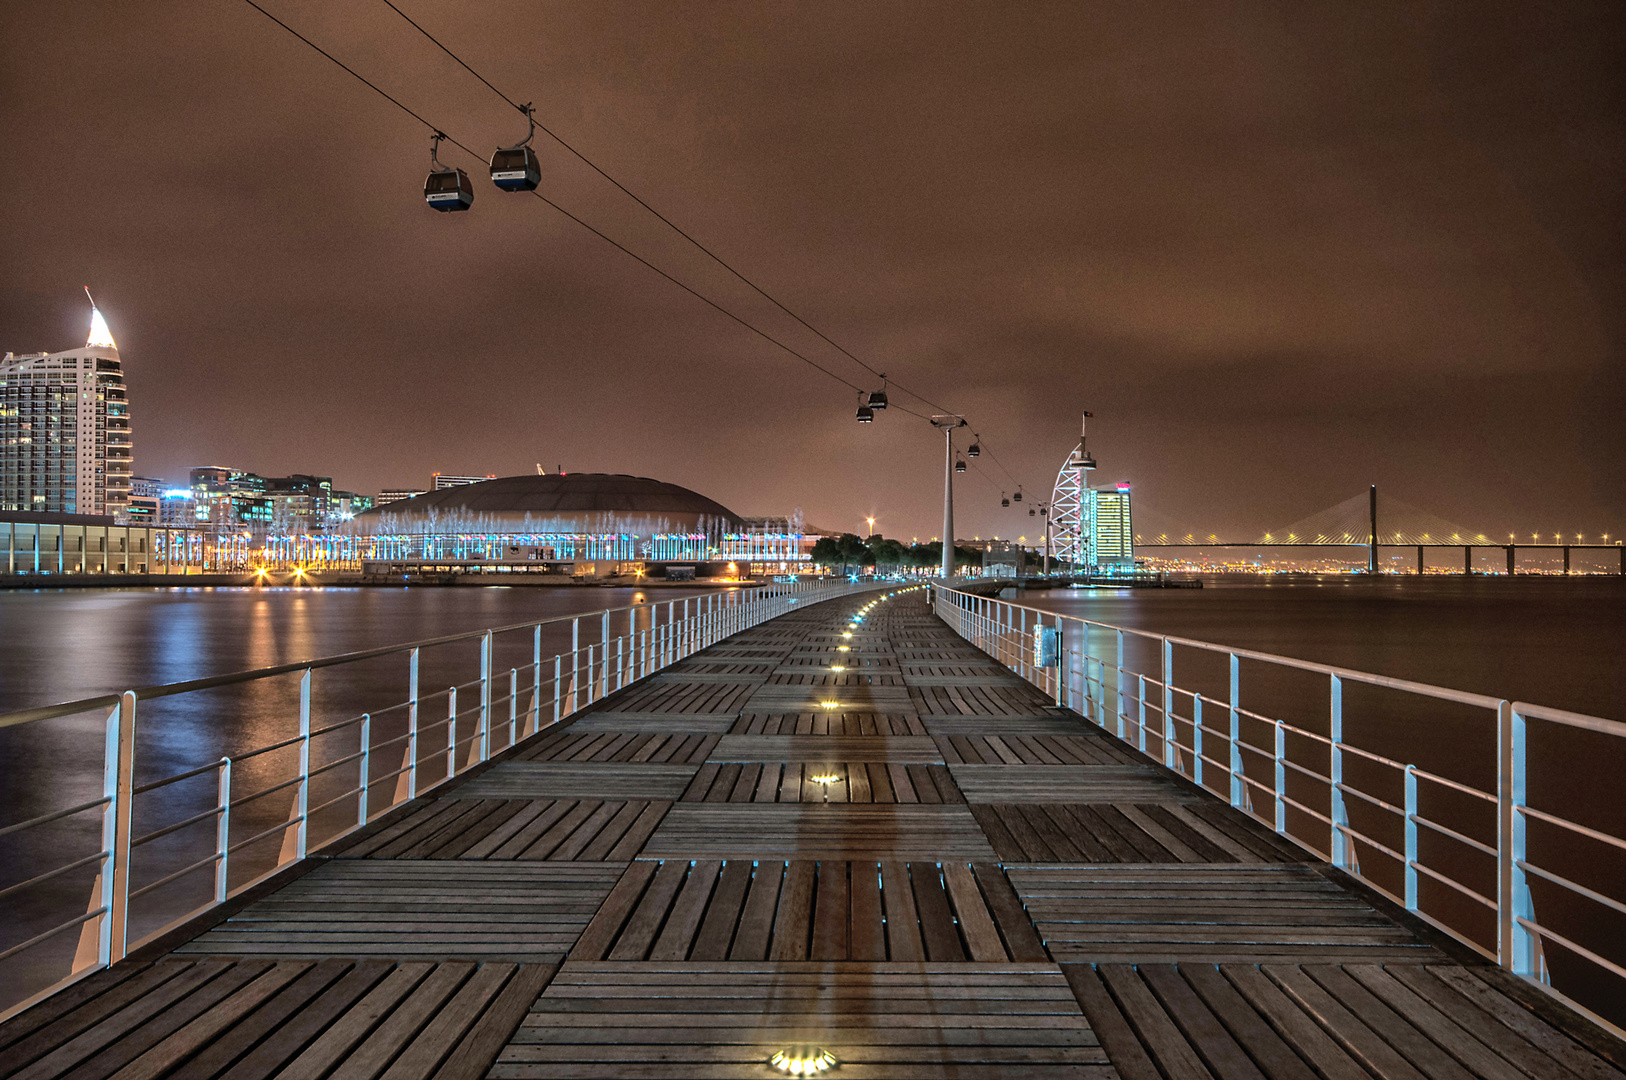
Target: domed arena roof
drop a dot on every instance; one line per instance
(562, 503)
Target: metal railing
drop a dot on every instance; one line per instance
(331, 781)
(1344, 802)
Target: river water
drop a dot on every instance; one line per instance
(1555, 642)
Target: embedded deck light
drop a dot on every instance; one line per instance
(838, 667)
(803, 1060)
(830, 704)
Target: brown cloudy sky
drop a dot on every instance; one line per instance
(1281, 250)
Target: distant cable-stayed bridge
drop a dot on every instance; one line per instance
(1356, 522)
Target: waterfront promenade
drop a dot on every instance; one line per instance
(862, 836)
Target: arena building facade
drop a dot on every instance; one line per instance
(577, 525)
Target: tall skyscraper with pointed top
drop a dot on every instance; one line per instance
(65, 428)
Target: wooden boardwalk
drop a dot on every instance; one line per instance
(869, 839)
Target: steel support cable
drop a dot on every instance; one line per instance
(718, 259)
(618, 246)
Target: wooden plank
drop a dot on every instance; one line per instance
(868, 932)
(1527, 1024)
(1158, 1033)
(727, 901)
(937, 929)
(1256, 1036)
(1200, 1027)
(1439, 1028)
(241, 1037)
(605, 927)
(1119, 1040)
(1430, 1059)
(1360, 1041)
(831, 913)
(756, 919)
(529, 811)
(485, 1040)
(350, 1028)
(638, 834)
(794, 919)
(612, 832)
(423, 1055)
(396, 1031)
(687, 910)
(59, 1018)
(903, 940)
(976, 923)
(1021, 940)
(289, 1039)
(639, 934)
(1296, 1027)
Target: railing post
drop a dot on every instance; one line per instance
(223, 829)
(1171, 738)
(1516, 944)
(451, 732)
(113, 840)
(1197, 739)
(366, 767)
(1238, 786)
(1140, 714)
(536, 681)
(1411, 838)
(412, 728)
(302, 830)
(604, 653)
(575, 660)
(1339, 842)
(485, 696)
(1118, 703)
(1281, 778)
(1061, 665)
(513, 706)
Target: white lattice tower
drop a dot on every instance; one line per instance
(1069, 524)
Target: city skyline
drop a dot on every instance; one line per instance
(1388, 254)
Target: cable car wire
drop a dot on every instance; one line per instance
(663, 218)
(607, 239)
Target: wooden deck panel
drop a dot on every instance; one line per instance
(721, 904)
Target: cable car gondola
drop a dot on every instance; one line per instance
(446, 189)
(975, 449)
(1003, 501)
(515, 168)
(959, 466)
(1018, 495)
(877, 398)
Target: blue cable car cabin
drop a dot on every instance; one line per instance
(448, 189)
(516, 169)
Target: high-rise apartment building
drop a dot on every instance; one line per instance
(65, 429)
(145, 494)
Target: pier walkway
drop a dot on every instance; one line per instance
(866, 839)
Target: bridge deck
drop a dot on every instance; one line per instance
(916, 863)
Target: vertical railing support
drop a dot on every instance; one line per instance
(451, 732)
(558, 674)
(1118, 703)
(223, 829)
(412, 727)
(1140, 714)
(302, 830)
(1338, 840)
(485, 696)
(1171, 737)
(1281, 777)
(604, 655)
(114, 839)
(1517, 945)
(536, 681)
(1197, 739)
(513, 706)
(575, 661)
(1239, 793)
(364, 781)
(1411, 838)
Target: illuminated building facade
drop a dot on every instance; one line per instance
(441, 481)
(65, 429)
(1092, 528)
(146, 492)
(397, 495)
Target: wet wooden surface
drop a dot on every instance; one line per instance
(861, 835)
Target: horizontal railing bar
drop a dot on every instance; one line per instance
(331, 765)
(213, 811)
(351, 794)
(1376, 845)
(53, 932)
(1435, 778)
(292, 740)
(141, 789)
(1453, 883)
(1572, 886)
(1453, 834)
(1570, 719)
(235, 803)
(1594, 834)
(354, 720)
(1581, 950)
(281, 826)
(1373, 799)
(59, 871)
(212, 857)
(55, 814)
